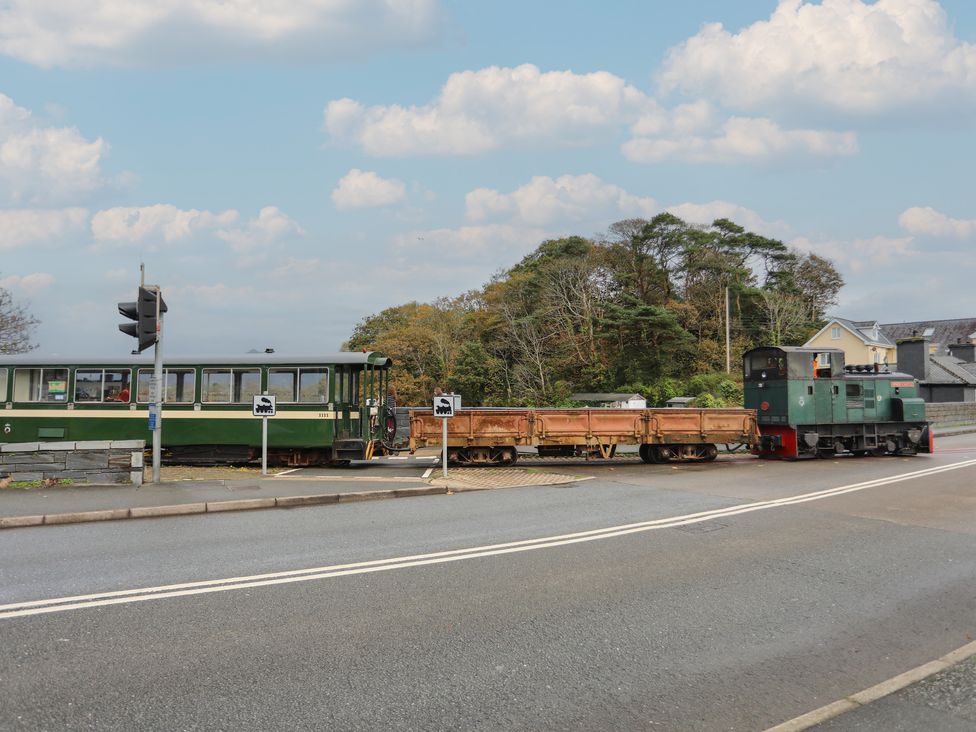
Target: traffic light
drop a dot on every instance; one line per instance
(143, 311)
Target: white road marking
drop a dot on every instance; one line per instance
(285, 472)
(101, 599)
(427, 473)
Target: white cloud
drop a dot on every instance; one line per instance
(706, 213)
(862, 255)
(929, 222)
(160, 222)
(737, 139)
(569, 198)
(20, 227)
(847, 55)
(135, 32)
(495, 244)
(28, 284)
(45, 163)
(365, 189)
(269, 227)
(478, 111)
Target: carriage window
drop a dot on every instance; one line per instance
(88, 385)
(216, 386)
(354, 387)
(314, 386)
(230, 385)
(3, 385)
(180, 386)
(41, 385)
(282, 383)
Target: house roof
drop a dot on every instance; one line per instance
(861, 329)
(943, 332)
(951, 370)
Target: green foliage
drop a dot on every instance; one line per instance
(643, 308)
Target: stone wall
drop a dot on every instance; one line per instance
(951, 412)
(100, 461)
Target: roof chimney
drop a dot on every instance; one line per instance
(913, 357)
(963, 351)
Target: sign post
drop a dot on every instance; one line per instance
(264, 406)
(445, 407)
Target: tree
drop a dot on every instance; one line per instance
(16, 325)
(785, 315)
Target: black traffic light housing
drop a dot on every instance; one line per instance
(143, 311)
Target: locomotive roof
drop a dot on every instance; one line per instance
(246, 359)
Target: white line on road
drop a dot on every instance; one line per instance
(427, 473)
(78, 602)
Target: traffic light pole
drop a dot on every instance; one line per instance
(159, 391)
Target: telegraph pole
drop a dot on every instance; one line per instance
(728, 330)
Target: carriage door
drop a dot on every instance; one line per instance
(348, 416)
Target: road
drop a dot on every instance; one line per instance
(695, 597)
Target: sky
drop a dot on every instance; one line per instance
(285, 168)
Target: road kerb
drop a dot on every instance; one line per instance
(876, 692)
(187, 509)
(13, 522)
(244, 504)
(816, 716)
(357, 496)
(179, 509)
(431, 490)
(83, 517)
(316, 500)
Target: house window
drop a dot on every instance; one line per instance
(835, 333)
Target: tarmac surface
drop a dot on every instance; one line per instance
(944, 700)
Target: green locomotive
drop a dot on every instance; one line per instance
(331, 408)
(810, 404)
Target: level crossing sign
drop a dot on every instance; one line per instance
(447, 405)
(264, 405)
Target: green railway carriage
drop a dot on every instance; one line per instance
(809, 404)
(331, 408)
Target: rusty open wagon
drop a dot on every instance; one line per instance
(493, 436)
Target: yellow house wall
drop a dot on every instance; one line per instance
(855, 351)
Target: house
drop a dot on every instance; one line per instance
(862, 341)
(940, 333)
(611, 401)
(942, 377)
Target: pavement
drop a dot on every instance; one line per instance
(82, 503)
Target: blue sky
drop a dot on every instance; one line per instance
(284, 169)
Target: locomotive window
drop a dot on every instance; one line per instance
(180, 386)
(282, 383)
(853, 390)
(809, 391)
(41, 385)
(3, 385)
(314, 385)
